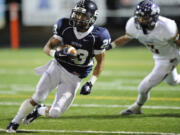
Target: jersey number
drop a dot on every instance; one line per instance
(106, 42)
(153, 49)
(81, 58)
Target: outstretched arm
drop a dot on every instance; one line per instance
(120, 41)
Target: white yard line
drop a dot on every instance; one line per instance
(16, 71)
(7, 92)
(101, 106)
(125, 106)
(120, 84)
(104, 73)
(97, 132)
(124, 73)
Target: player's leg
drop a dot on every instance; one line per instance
(64, 97)
(158, 74)
(52, 80)
(44, 86)
(173, 78)
(26, 107)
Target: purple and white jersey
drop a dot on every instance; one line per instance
(158, 40)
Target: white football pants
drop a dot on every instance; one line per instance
(67, 85)
(163, 70)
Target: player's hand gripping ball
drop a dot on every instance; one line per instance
(66, 50)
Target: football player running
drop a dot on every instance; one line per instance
(160, 35)
(66, 71)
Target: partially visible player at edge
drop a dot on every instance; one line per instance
(65, 71)
(160, 35)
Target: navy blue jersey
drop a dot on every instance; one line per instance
(88, 44)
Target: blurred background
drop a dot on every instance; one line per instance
(29, 23)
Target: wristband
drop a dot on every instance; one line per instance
(93, 79)
(113, 45)
(52, 52)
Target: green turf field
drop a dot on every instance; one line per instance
(98, 113)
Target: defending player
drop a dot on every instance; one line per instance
(65, 72)
(160, 35)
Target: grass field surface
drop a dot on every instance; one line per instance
(97, 113)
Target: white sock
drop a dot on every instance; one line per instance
(42, 111)
(25, 108)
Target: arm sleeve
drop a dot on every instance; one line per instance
(130, 28)
(57, 29)
(172, 30)
(103, 42)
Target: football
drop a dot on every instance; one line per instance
(70, 49)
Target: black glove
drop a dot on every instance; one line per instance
(86, 88)
(109, 47)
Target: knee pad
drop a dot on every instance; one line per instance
(54, 112)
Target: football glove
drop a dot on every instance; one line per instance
(64, 52)
(86, 88)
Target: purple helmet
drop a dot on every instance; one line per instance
(147, 13)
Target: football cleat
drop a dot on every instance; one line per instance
(32, 116)
(12, 127)
(133, 109)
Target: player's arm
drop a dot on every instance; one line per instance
(120, 41)
(56, 40)
(100, 58)
(61, 51)
(99, 52)
(50, 45)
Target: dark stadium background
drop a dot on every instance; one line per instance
(37, 36)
